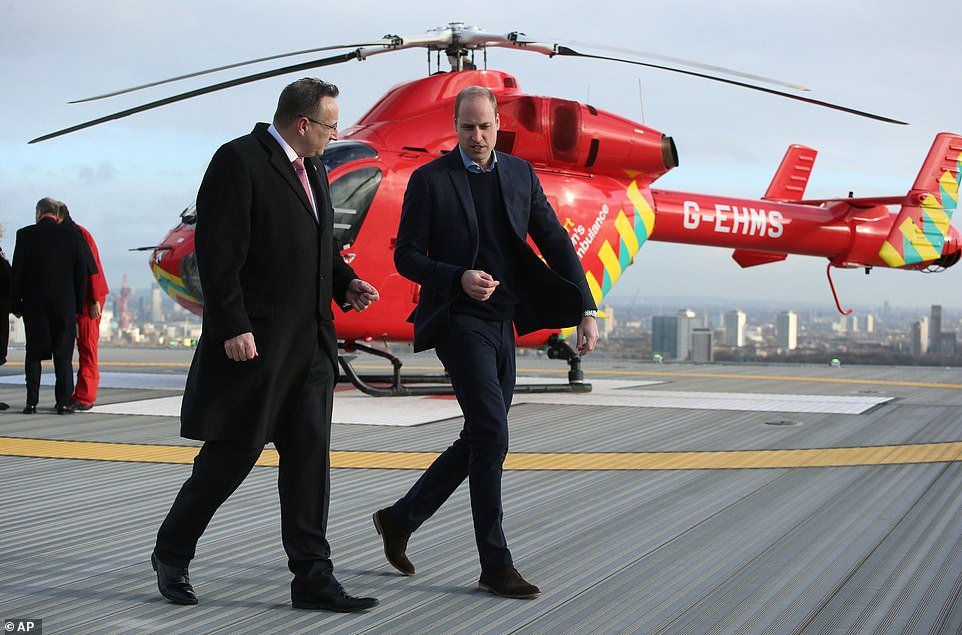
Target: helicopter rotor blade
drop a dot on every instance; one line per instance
(327, 61)
(386, 41)
(526, 39)
(566, 51)
(152, 248)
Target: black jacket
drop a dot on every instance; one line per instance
(438, 239)
(266, 266)
(48, 284)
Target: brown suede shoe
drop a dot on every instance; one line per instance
(395, 541)
(507, 582)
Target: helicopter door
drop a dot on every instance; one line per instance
(352, 195)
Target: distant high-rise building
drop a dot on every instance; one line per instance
(920, 337)
(664, 335)
(935, 329)
(852, 323)
(156, 313)
(607, 324)
(124, 316)
(735, 328)
(786, 329)
(948, 344)
(686, 319)
(701, 348)
(870, 324)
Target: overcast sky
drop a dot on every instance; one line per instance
(127, 181)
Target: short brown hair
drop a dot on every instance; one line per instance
(473, 92)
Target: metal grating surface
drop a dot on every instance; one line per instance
(812, 550)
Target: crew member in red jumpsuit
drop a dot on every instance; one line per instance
(88, 323)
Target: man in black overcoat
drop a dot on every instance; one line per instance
(48, 283)
(5, 272)
(266, 363)
(462, 237)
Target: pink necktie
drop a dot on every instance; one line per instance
(302, 175)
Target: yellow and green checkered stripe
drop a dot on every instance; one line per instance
(634, 228)
(921, 231)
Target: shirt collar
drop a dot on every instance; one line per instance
(285, 146)
(471, 166)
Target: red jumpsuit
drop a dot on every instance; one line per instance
(88, 330)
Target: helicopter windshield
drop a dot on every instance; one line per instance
(341, 152)
(351, 195)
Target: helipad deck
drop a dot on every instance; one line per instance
(632, 514)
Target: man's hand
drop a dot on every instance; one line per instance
(360, 294)
(95, 310)
(241, 348)
(478, 284)
(587, 335)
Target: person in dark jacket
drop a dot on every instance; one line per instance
(4, 310)
(48, 284)
(266, 363)
(464, 223)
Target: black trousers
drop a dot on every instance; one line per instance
(479, 357)
(63, 389)
(304, 445)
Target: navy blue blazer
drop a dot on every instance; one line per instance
(437, 241)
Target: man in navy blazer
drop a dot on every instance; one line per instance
(462, 234)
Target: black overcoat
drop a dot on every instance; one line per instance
(438, 240)
(48, 283)
(268, 267)
(5, 273)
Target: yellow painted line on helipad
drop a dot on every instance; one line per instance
(576, 461)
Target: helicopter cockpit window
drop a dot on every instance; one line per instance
(352, 195)
(341, 152)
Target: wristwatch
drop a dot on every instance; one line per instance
(590, 313)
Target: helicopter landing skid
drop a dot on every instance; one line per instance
(394, 385)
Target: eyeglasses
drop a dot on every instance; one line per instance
(321, 123)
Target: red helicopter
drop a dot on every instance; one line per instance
(597, 169)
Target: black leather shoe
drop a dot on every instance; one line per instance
(80, 406)
(173, 582)
(395, 541)
(332, 597)
(64, 410)
(4, 405)
(507, 582)
(29, 410)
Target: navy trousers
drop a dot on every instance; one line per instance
(303, 445)
(479, 357)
